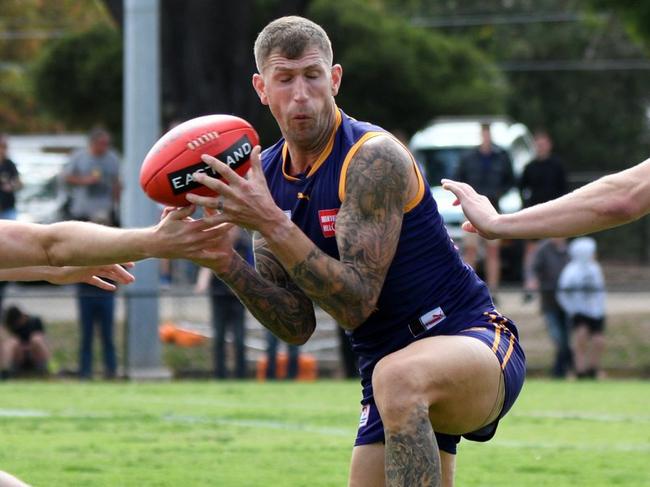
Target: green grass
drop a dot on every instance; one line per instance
(299, 434)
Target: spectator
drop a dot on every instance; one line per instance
(543, 179)
(24, 349)
(547, 263)
(92, 176)
(9, 183)
(582, 295)
(489, 169)
(227, 312)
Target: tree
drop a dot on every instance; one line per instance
(78, 79)
(28, 26)
(396, 75)
(401, 76)
(549, 52)
(635, 14)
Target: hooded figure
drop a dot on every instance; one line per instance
(581, 292)
(581, 287)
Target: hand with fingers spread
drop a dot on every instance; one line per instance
(482, 217)
(179, 236)
(246, 202)
(92, 275)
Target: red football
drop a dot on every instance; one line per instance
(166, 173)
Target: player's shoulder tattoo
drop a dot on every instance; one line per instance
(378, 175)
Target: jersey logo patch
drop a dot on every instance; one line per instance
(327, 220)
(365, 414)
(432, 318)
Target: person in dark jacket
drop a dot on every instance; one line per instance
(543, 179)
(550, 257)
(488, 168)
(228, 313)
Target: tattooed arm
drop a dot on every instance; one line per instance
(367, 231)
(380, 180)
(271, 296)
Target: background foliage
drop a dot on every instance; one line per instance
(580, 69)
(27, 27)
(78, 79)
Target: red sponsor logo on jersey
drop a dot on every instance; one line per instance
(432, 318)
(328, 222)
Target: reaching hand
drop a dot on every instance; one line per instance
(481, 215)
(93, 275)
(179, 236)
(246, 202)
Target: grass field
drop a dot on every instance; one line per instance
(299, 434)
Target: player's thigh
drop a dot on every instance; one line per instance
(458, 376)
(367, 466)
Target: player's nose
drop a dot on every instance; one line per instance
(300, 90)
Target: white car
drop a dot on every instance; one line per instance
(39, 160)
(440, 146)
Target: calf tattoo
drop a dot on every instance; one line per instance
(412, 457)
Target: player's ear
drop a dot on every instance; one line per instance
(260, 88)
(337, 74)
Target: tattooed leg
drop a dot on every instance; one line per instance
(412, 457)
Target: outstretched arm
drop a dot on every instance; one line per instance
(610, 201)
(71, 275)
(82, 243)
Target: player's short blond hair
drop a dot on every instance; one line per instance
(291, 36)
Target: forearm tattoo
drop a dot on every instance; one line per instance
(412, 456)
(272, 297)
(367, 231)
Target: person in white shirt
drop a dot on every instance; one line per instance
(581, 293)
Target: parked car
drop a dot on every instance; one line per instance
(440, 146)
(40, 159)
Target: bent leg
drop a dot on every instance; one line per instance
(450, 384)
(367, 467)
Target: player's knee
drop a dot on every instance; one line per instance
(397, 390)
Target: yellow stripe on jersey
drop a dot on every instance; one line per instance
(474, 328)
(346, 162)
(353, 150)
(321, 158)
(511, 346)
(418, 196)
(497, 339)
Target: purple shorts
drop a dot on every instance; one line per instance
(498, 333)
